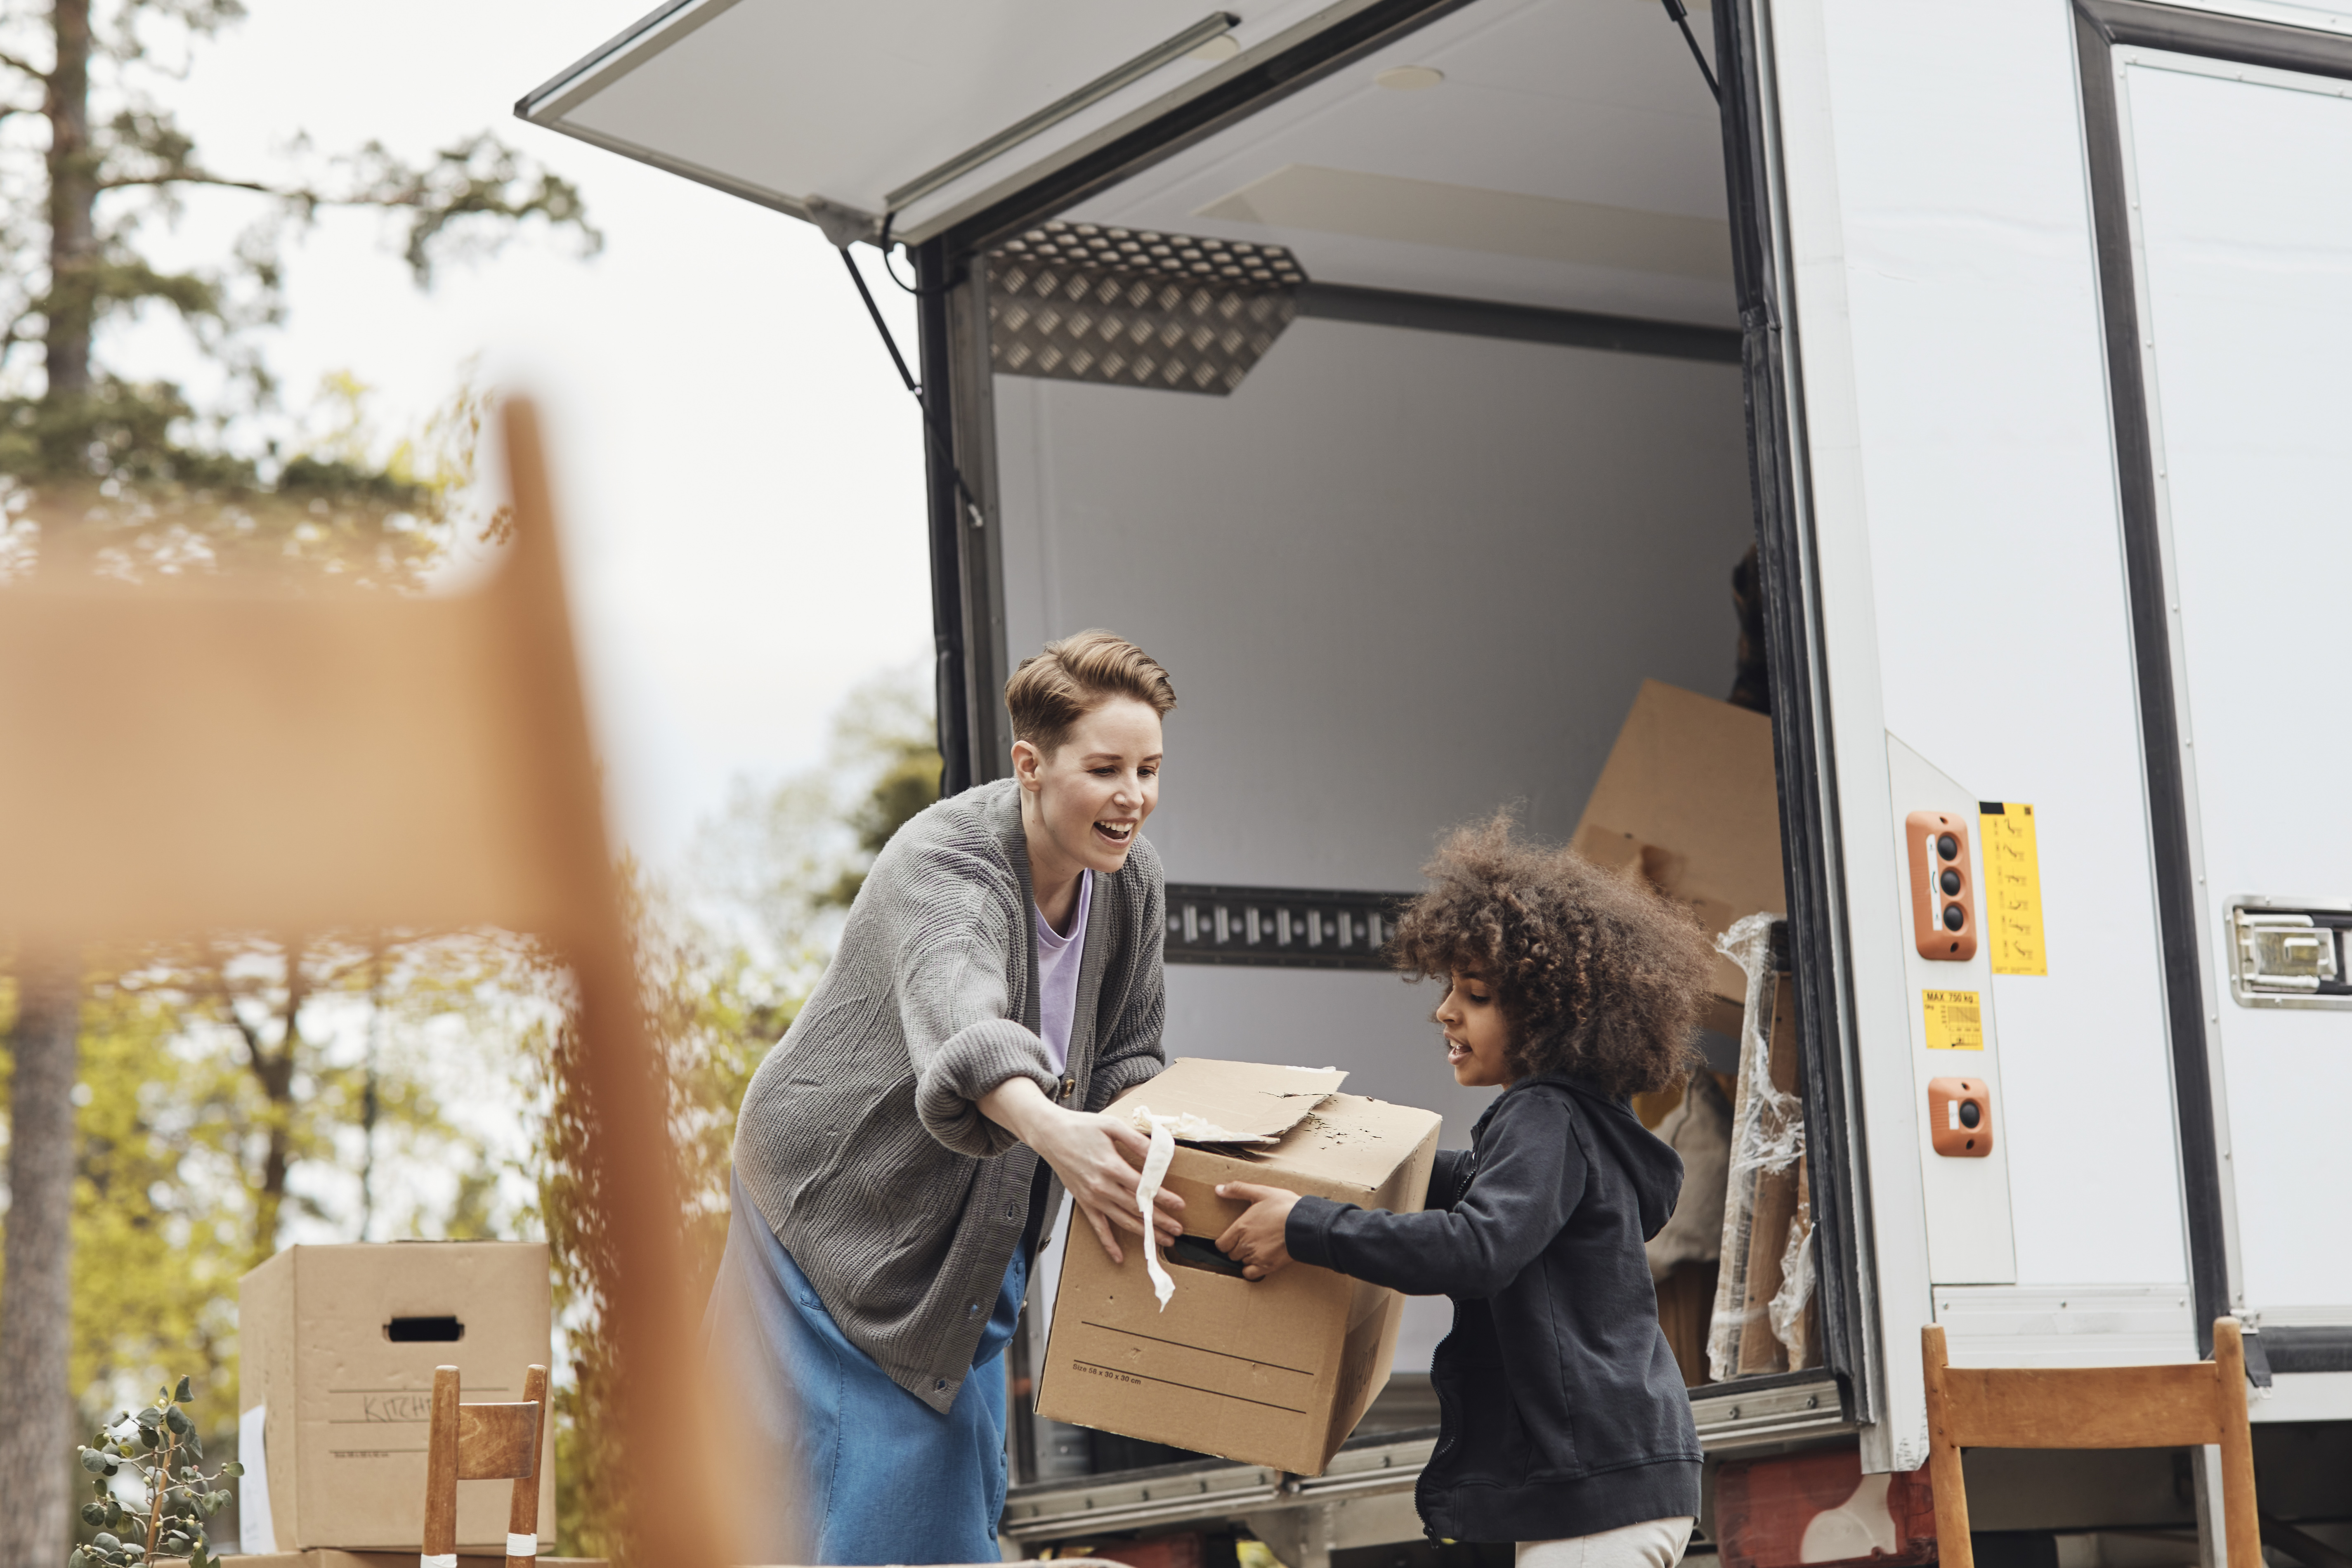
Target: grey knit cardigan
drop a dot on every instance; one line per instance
(860, 1141)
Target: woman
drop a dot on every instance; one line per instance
(998, 983)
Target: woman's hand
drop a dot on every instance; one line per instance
(1259, 1240)
(1098, 1158)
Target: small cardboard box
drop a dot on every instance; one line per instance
(1689, 797)
(1274, 1372)
(337, 1346)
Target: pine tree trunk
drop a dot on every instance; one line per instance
(37, 1415)
(72, 312)
(36, 1429)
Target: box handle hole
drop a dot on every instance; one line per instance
(1200, 1252)
(424, 1330)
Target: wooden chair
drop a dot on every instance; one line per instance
(2184, 1407)
(345, 760)
(483, 1443)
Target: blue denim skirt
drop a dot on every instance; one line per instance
(848, 1467)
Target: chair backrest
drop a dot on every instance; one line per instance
(483, 1443)
(2195, 1404)
(367, 762)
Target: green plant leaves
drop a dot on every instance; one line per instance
(167, 1454)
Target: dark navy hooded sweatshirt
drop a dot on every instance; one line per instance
(1561, 1410)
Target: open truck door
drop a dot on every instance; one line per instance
(1412, 375)
(1256, 335)
(2217, 152)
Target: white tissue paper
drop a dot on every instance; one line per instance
(1147, 1194)
(256, 1531)
(1191, 1128)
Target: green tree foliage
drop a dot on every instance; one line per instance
(158, 1218)
(782, 861)
(714, 1004)
(711, 1014)
(287, 1049)
(128, 474)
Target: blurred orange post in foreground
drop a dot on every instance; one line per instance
(225, 754)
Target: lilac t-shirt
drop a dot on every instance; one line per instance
(1057, 974)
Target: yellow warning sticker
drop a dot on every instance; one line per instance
(1954, 1021)
(2012, 871)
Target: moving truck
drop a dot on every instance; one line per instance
(1411, 376)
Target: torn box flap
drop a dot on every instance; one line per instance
(1231, 1102)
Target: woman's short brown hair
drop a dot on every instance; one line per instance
(1598, 974)
(1071, 677)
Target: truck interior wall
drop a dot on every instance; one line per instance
(1400, 578)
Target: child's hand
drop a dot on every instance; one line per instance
(1258, 1240)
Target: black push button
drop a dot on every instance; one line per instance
(1971, 1113)
(1955, 917)
(1950, 882)
(1946, 846)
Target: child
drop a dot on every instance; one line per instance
(1563, 1421)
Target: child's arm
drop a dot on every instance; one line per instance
(1256, 1239)
(1445, 1179)
(1529, 1177)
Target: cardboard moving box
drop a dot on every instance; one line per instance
(337, 1348)
(1274, 1372)
(1689, 797)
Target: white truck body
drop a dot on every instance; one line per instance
(2013, 332)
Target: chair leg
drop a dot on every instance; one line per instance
(522, 1505)
(2241, 1518)
(441, 1474)
(1944, 1473)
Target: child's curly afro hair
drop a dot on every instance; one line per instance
(1599, 975)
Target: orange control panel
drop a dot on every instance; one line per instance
(1959, 1117)
(1943, 893)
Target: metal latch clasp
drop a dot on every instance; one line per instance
(2286, 953)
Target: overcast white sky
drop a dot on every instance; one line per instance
(739, 470)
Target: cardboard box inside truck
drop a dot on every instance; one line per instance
(1688, 796)
(337, 1348)
(1271, 1372)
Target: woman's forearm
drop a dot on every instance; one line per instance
(1019, 1107)
(1096, 1156)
